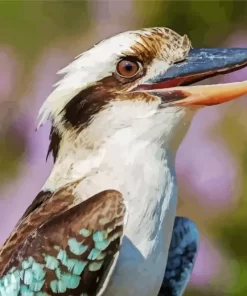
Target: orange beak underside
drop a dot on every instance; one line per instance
(206, 95)
(174, 85)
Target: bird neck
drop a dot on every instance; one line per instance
(79, 159)
(142, 171)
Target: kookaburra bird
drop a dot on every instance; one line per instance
(104, 220)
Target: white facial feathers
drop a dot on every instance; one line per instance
(100, 62)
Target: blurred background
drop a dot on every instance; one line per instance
(37, 38)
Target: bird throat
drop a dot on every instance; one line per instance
(140, 170)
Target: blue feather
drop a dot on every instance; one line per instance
(181, 257)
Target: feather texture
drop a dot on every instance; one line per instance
(181, 258)
(70, 254)
(43, 208)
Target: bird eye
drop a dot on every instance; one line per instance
(127, 68)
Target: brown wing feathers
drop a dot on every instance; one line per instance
(70, 253)
(42, 209)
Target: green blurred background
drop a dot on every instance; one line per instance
(33, 31)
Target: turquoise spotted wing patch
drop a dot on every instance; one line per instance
(71, 254)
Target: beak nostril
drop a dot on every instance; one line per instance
(179, 62)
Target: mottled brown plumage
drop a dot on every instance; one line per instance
(162, 43)
(58, 234)
(44, 207)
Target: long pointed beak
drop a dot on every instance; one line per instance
(174, 85)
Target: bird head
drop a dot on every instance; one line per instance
(137, 85)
